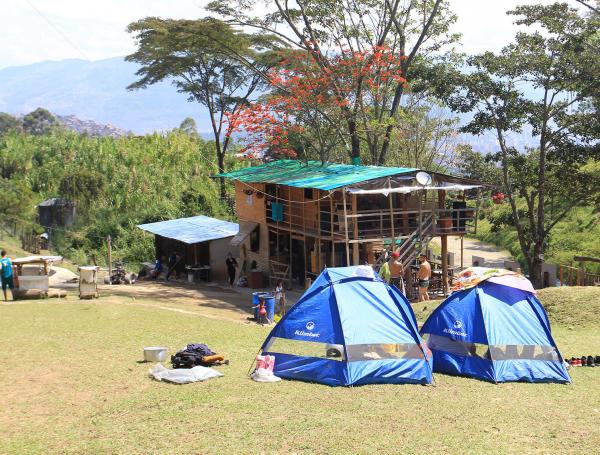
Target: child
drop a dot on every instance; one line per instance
(262, 311)
(6, 273)
(280, 297)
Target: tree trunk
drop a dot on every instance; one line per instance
(535, 271)
(221, 165)
(354, 141)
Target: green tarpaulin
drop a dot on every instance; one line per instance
(312, 174)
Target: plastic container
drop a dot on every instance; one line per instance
(269, 304)
(155, 354)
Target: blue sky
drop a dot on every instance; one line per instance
(38, 30)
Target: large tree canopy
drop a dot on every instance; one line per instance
(543, 80)
(215, 65)
(326, 30)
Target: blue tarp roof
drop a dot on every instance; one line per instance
(192, 230)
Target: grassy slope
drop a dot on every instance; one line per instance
(575, 235)
(71, 383)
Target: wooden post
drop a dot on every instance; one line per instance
(331, 229)
(355, 246)
(578, 277)
(391, 203)
(346, 226)
(477, 208)
(560, 272)
(109, 244)
(444, 239)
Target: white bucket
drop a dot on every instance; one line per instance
(155, 354)
(190, 277)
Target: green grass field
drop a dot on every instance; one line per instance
(71, 383)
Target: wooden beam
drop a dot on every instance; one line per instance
(355, 246)
(586, 259)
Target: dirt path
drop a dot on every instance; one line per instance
(494, 256)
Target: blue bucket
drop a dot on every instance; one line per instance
(269, 304)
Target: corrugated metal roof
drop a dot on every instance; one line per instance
(312, 174)
(192, 230)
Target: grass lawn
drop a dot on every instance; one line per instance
(71, 383)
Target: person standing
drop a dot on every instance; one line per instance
(396, 271)
(279, 295)
(172, 265)
(231, 264)
(6, 273)
(423, 276)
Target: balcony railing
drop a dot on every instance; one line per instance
(372, 225)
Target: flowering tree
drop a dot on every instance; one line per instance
(306, 110)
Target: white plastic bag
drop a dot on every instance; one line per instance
(182, 375)
(264, 375)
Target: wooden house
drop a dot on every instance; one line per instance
(298, 217)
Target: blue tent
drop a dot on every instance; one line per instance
(496, 333)
(349, 328)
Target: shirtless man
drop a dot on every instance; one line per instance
(396, 271)
(423, 275)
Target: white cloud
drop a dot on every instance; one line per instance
(95, 29)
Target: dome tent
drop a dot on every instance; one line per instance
(349, 328)
(495, 330)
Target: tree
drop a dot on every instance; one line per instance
(39, 122)
(301, 102)
(208, 60)
(324, 30)
(188, 126)
(541, 80)
(9, 123)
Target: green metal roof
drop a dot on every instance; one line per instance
(312, 174)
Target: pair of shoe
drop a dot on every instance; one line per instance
(585, 361)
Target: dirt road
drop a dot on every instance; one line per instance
(494, 256)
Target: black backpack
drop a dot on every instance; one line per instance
(186, 359)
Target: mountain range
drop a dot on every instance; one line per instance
(95, 92)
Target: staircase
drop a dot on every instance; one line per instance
(411, 247)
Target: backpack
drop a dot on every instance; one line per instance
(191, 356)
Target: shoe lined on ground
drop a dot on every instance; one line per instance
(597, 360)
(590, 361)
(584, 361)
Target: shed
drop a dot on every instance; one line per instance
(56, 211)
(202, 241)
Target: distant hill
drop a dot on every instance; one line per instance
(89, 126)
(96, 91)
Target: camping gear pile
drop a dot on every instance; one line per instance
(191, 364)
(197, 354)
(351, 328)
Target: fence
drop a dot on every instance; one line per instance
(575, 276)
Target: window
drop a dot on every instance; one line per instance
(308, 193)
(255, 240)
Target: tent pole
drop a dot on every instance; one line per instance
(346, 226)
